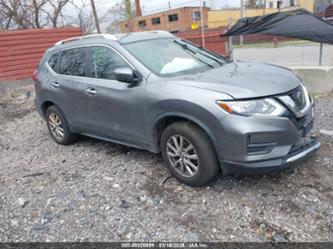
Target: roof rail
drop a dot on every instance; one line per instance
(75, 38)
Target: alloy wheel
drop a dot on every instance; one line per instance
(56, 126)
(182, 156)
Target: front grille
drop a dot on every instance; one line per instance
(300, 123)
(295, 149)
(298, 96)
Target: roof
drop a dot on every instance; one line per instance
(121, 38)
(139, 36)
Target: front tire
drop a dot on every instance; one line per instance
(189, 154)
(58, 127)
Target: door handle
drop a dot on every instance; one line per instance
(91, 91)
(55, 84)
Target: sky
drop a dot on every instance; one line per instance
(151, 6)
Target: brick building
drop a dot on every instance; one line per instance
(329, 13)
(173, 20)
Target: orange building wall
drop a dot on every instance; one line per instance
(184, 21)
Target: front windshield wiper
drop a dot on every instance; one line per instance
(185, 46)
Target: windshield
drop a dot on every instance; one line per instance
(168, 57)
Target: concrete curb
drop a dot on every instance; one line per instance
(318, 80)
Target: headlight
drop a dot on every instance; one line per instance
(253, 107)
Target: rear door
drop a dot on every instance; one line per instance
(117, 108)
(70, 85)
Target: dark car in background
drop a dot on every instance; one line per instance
(154, 91)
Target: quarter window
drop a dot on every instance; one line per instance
(104, 61)
(53, 62)
(173, 18)
(72, 62)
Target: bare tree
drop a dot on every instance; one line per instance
(86, 22)
(23, 14)
(56, 16)
(255, 4)
(122, 11)
(83, 17)
(15, 13)
(37, 9)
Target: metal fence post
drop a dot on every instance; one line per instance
(241, 38)
(321, 54)
(231, 50)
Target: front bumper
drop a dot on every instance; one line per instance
(272, 165)
(259, 144)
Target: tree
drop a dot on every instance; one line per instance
(23, 14)
(56, 16)
(37, 9)
(254, 4)
(117, 13)
(15, 14)
(83, 18)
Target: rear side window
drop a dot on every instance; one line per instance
(53, 62)
(104, 61)
(72, 62)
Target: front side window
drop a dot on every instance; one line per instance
(167, 57)
(104, 61)
(72, 62)
(173, 18)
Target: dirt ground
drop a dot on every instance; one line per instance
(98, 191)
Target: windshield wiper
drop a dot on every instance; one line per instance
(185, 46)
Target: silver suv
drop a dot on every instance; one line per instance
(154, 91)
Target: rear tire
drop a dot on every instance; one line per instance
(189, 154)
(58, 126)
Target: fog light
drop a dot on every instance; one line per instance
(259, 149)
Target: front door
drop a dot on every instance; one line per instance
(118, 109)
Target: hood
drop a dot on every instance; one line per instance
(243, 80)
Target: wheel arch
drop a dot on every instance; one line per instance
(45, 105)
(168, 118)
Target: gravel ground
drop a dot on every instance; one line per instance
(98, 191)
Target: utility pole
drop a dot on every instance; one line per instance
(95, 16)
(241, 38)
(169, 5)
(321, 44)
(265, 2)
(231, 50)
(128, 13)
(202, 26)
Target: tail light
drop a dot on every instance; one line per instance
(34, 75)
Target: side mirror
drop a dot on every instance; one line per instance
(126, 74)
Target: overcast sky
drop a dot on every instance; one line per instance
(150, 6)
